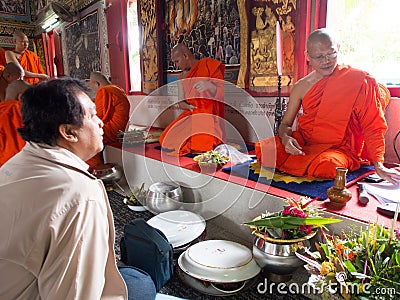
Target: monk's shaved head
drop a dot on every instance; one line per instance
(320, 36)
(13, 68)
(181, 49)
(19, 34)
(99, 77)
(182, 57)
(15, 89)
(12, 71)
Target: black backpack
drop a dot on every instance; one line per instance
(147, 248)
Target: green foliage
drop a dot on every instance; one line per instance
(296, 220)
(369, 258)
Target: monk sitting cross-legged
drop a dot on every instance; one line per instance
(199, 128)
(342, 124)
(10, 115)
(112, 106)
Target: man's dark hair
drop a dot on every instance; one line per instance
(49, 104)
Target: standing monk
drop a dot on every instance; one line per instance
(199, 128)
(342, 124)
(28, 60)
(10, 115)
(112, 107)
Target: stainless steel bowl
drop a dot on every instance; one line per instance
(278, 260)
(108, 173)
(164, 196)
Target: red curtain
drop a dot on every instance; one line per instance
(311, 15)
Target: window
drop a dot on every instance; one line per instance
(134, 47)
(367, 31)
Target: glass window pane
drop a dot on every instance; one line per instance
(367, 31)
(134, 47)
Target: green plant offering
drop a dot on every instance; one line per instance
(298, 219)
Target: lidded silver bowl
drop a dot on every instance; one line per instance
(164, 196)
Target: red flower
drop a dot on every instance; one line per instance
(306, 228)
(286, 211)
(294, 211)
(339, 247)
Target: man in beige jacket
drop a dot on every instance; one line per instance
(56, 225)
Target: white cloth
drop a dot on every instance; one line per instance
(56, 229)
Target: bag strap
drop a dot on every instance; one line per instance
(152, 233)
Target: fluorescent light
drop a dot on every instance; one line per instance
(50, 22)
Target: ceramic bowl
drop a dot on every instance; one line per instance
(216, 289)
(181, 227)
(164, 196)
(219, 261)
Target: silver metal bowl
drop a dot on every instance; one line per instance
(278, 261)
(164, 196)
(108, 173)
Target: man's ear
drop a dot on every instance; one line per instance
(68, 133)
(306, 55)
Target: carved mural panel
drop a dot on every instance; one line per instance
(15, 10)
(149, 45)
(263, 67)
(210, 28)
(85, 55)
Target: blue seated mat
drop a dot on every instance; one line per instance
(310, 189)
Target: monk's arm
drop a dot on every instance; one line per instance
(185, 106)
(285, 129)
(206, 85)
(213, 84)
(391, 175)
(182, 104)
(10, 57)
(371, 116)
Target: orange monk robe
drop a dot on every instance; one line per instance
(342, 125)
(3, 87)
(202, 128)
(29, 61)
(10, 141)
(112, 107)
(3, 60)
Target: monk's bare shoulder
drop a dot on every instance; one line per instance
(302, 86)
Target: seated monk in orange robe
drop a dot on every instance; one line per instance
(112, 106)
(200, 127)
(342, 123)
(28, 60)
(10, 115)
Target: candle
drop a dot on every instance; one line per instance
(279, 50)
